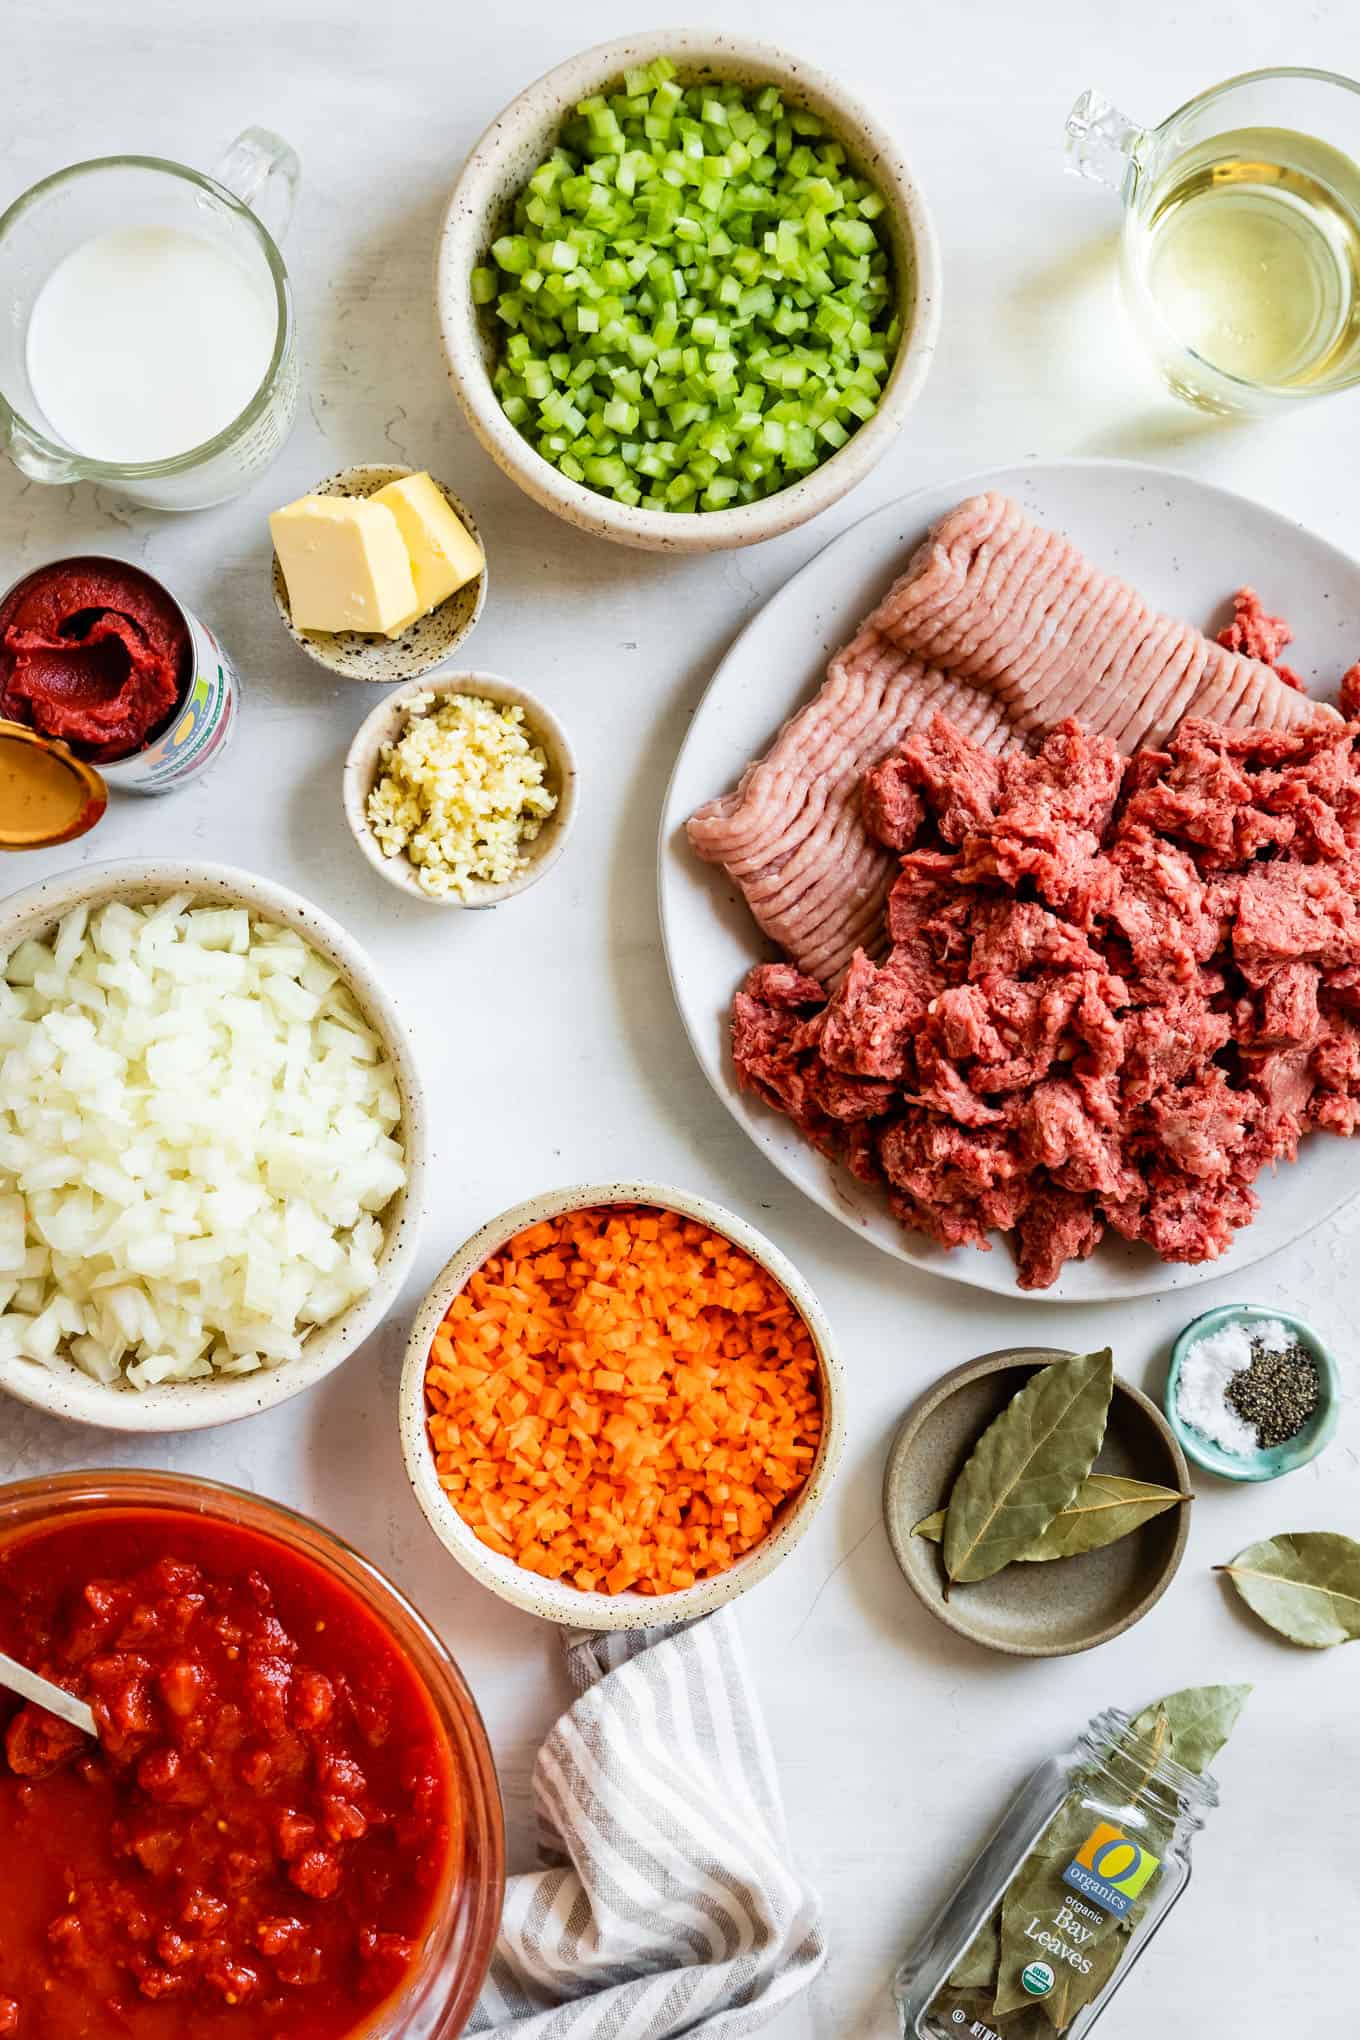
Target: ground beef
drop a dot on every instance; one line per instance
(1259, 635)
(1113, 991)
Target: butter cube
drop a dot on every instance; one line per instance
(345, 564)
(444, 555)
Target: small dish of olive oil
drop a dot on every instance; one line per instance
(1247, 247)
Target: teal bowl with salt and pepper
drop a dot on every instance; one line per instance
(1261, 1462)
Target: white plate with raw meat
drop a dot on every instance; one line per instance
(1184, 547)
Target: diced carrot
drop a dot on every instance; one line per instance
(622, 1399)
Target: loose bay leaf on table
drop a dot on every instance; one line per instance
(1105, 1508)
(1200, 1720)
(1027, 1465)
(1305, 1584)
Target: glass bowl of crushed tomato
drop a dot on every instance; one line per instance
(290, 1824)
(620, 1405)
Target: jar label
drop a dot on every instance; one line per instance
(1111, 1870)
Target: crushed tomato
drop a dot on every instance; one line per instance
(260, 1840)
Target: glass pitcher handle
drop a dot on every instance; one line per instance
(263, 172)
(1103, 143)
(36, 461)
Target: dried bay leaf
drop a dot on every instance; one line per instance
(1034, 1903)
(1071, 1991)
(1026, 2023)
(1027, 1465)
(976, 1967)
(1304, 1584)
(1200, 1720)
(1035, 1895)
(1105, 1508)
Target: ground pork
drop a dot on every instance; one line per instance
(1111, 991)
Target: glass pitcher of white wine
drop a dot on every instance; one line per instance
(1241, 238)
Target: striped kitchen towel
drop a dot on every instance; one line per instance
(667, 1903)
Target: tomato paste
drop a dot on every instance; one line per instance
(93, 651)
(259, 1841)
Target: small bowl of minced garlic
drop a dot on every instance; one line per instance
(461, 790)
(378, 573)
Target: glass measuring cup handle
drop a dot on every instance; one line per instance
(1103, 144)
(39, 463)
(263, 172)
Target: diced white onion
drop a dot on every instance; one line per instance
(198, 1135)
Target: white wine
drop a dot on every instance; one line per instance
(1248, 246)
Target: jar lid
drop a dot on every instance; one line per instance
(47, 795)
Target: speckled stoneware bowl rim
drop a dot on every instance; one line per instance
(382, 725)
(196, 1405)
(550, 1598)
(363, 657)
(952, 1613)
(1269, 1462)
(505, 156)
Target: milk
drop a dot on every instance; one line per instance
(146, 341)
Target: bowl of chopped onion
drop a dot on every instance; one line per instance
(688, 290)
(212, 1146)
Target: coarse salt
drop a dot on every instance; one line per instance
(1207, 1368)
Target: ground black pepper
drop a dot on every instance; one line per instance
(1277, 1393)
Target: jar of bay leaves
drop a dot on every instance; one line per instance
(1063, 1900)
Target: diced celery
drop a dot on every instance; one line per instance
(694, 302)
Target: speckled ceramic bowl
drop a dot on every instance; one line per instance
(523, 134)
(388, 721)
(1266, 1462)
(194, 1405)
(552, 1599)
(1064, 1605)
(430, 641)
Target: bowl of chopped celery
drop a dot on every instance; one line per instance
(688, 290)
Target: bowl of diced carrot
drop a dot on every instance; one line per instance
(620, 1405)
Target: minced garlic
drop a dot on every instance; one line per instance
(460, 793)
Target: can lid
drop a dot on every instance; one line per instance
(47, 795)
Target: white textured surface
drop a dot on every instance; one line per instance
(546, 1029)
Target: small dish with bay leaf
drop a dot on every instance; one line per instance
(1036, 1503)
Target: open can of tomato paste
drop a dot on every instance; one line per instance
(114, 682)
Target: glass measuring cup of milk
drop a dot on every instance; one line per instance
(146, 324)
(1241, 237)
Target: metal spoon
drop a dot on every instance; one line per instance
(55, 1699)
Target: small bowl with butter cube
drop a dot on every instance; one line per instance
(379, 573)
